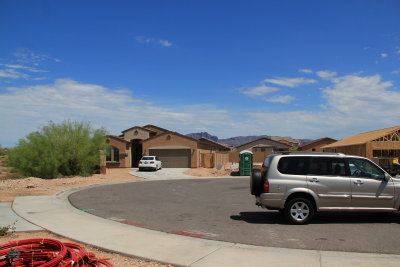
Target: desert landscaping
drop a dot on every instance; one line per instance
(31, 186)
(13, 185)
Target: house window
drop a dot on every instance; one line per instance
(112, 154)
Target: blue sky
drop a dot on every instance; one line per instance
(305, 69)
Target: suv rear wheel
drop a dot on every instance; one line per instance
(299, 211)
(256, 182)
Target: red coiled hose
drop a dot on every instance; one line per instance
(47, 253)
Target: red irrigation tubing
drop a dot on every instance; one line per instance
(47, 253)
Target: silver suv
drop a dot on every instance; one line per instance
(300, 184)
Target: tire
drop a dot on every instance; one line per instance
(299, 211)
(256, 182)
(140, 169)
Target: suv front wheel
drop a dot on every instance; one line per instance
(299, 211)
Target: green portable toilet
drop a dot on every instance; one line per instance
(245, 162)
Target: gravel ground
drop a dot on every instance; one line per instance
(31, 186)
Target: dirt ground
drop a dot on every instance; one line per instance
(14, 185)
(11, 188)
(31, 186)
(228, 170)
(205, 172)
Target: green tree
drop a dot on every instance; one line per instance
(65, 149)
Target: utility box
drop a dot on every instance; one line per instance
(245, 162)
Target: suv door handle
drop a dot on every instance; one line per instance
(358, 182)
(314, 180)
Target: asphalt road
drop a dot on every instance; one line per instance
(223, 209)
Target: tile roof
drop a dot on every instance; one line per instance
(117, 138)
(317, 140)
(213, 142)
(138, 127)
(260, 139)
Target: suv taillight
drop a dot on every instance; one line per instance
(266, 186)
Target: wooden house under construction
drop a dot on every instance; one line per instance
(381, 146)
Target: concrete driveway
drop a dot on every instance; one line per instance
(163, 174)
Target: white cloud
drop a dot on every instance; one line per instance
(26, 66)
(165, 43)
(144, 40)
(12, 74)
(290, 82)
(396, 71)
(384, 55)
(24, 109)
(352, 104)
(260, 90)
(31, 69)
(306, 71)
(284, 99)
(326, 74)
(27, 56)
(367, 97)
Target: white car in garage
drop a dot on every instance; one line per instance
(150, 163)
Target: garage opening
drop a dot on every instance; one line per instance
(173, 158)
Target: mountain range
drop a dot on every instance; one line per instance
(240, 140)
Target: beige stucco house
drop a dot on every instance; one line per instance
(174, 149)
(264, 145)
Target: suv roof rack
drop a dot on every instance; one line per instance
(311, 153)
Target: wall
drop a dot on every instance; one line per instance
(155, 129)
(211, 159)
(124, 148)
(316, 145)
(356, 150)
(388, 145)
(258, 157)
(140, 134)
(205, 145)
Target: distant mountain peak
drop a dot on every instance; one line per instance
(240, 140)
(203, 135)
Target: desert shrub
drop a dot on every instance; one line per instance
(7, 228)
(3, 151)
(69, 148)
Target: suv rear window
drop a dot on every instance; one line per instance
(293, 165)
(327, 166)
(148, 158)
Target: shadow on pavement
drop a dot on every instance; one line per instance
(260, 217)
(275, 217)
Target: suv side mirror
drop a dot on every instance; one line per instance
(387, 177)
